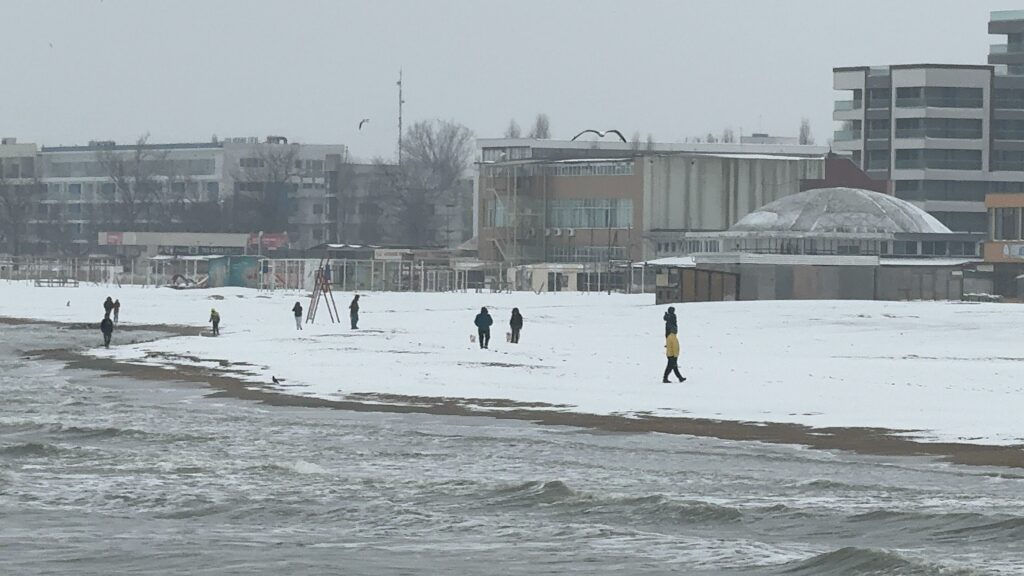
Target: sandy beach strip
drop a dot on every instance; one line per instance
(870, 441)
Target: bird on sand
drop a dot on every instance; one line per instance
(275, 380)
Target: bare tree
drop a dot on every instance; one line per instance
(650, 142)
(541, 127)
(19, 192)
(728, 136)
(137, 184)
(806, 137)
(513, 130)
(710, 138)
(435, 155)
(634, 142)
(263, 183)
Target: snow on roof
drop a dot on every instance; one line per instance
(189, 258)
(927, 261)
(670, 261)
(840, 210)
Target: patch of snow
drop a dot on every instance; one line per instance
(943, 371)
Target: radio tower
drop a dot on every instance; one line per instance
(400, 102)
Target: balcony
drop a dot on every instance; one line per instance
(1003, 15)
(1012, 53)
(847, 105)
(1008, 135)
(846, 135)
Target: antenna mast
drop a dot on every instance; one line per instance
(400, 102)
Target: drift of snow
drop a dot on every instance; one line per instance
(936, 370)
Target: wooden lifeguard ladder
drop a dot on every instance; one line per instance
(322, 291)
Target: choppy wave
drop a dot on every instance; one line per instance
(30, 449)
(946, 527)
(867, 561)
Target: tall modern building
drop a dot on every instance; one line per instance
(945, 135)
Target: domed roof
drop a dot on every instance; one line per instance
(839, 210)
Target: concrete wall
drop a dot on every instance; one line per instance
(713, 192)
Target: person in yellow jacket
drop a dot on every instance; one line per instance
(672, 351)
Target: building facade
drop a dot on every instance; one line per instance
(596, 203)
(945, 135)
(240, 185)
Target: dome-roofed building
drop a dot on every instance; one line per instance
(828, 221)
(840, 210)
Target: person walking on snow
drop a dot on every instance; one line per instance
(117, 310)
(516, 323)
(353, 312)
(672, 352)
(107, 328)
(215, 318)
(297, 309)
(108, 305)
(483, 323)
(671, 325)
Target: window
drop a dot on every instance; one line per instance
(250, 162)
(933, 248)
(178, 188)
(590, 213)
(1007, 224)
(318, 234)
(74, 208)
(213, 191)
(318, 208)
(904, 248)
(74, 190)
(876, 160)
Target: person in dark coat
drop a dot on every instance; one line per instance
(671, 325)
(107, 328)
(117, 310)
(483, 323)
(297, 309)
(516, 323)
(108, 306)
(353, 312)
(215, 319)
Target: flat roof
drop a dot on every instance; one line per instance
(699, 147)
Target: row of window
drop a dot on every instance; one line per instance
(591, 169)
(160, 167)
(918, 96)
(586, 253)
(1005, 224)
(822, 246)
(17, 167)
(938, 158)
(100, 190)
(590, 213)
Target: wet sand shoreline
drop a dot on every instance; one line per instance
(871, 441)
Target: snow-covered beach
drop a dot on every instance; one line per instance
(934, 371)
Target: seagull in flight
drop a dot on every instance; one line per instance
(600, 134)
(363, 121)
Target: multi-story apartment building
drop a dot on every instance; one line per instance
(590, 202)
(240, 184)
(945, 135)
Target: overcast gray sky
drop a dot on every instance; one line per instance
(75, 70)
